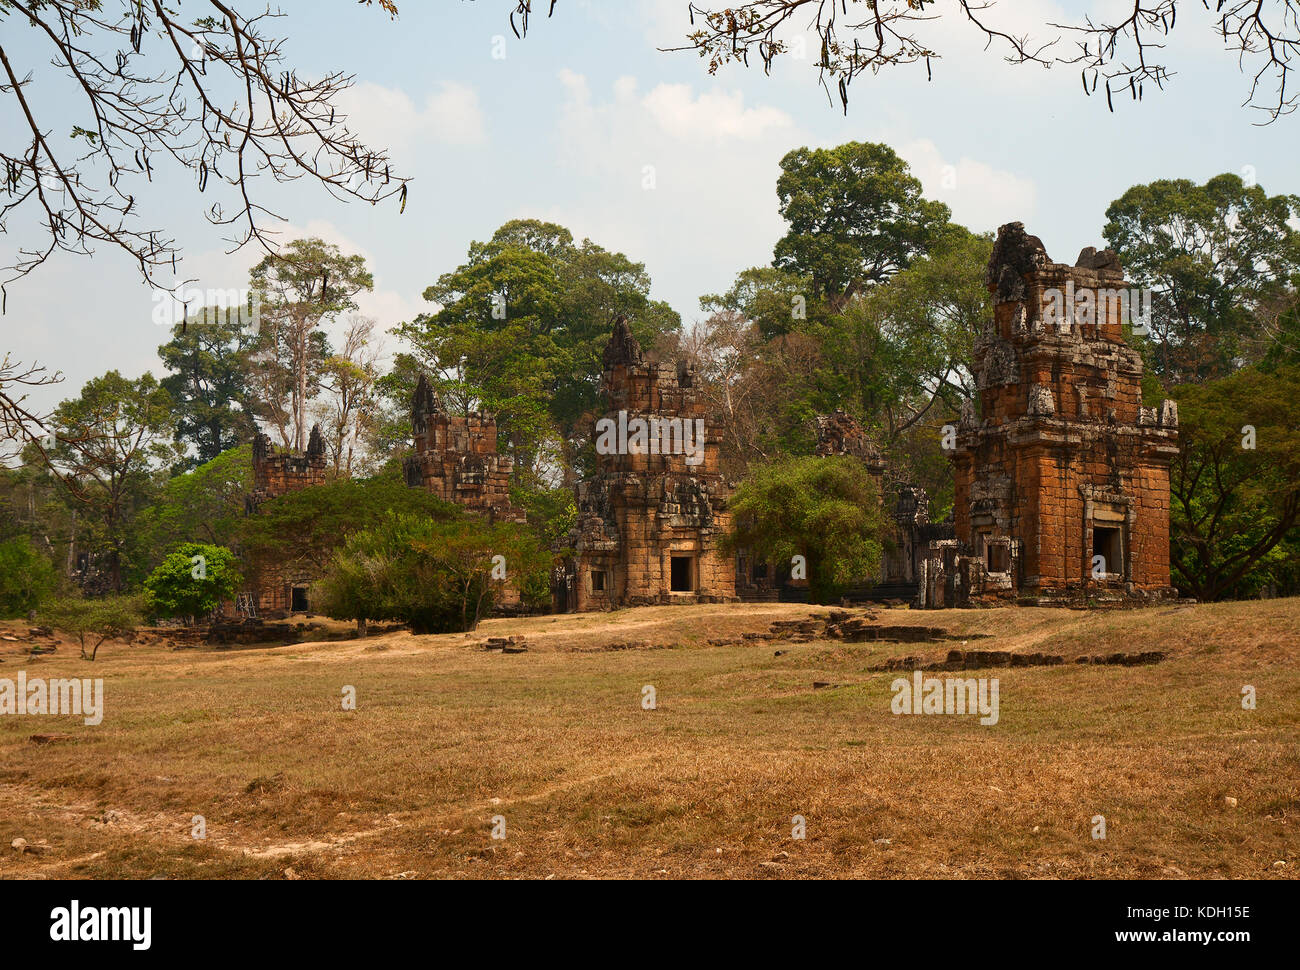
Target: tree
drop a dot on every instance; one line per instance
(436, 575)
(313, 522)
(110, 440)
(205, 505)
(302, 287)
(1124, 52)
(192, 581)
(856, 217)
(210, 91)
(93, 621)
(1235, 489)
(1213, 254)
(350, 396)
(764, 392)
(824, 509)
(209, 366)
(520, 333)
(774, 300)
(27, 577)
(900, 356)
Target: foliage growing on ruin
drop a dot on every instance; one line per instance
(436, 576)
(824, 509)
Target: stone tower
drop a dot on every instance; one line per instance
(650, 517)
(284, 585)
(456, 458)
(1062, 480)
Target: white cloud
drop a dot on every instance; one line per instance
(980, 196)
(716, 115)
(714, 161)
(389, 118)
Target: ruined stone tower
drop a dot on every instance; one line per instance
(1062, 480)
(283, 585)
(650, 517)
(456, 458)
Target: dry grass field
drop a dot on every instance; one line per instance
(555, 741)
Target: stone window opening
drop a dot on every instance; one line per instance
(598, 580)
(1106, 543)
(298, 600)
(682, 574)
(997, 558)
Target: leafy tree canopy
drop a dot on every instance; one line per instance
(856, 217)
(1235, 491)
(1213, 255)
(824, 509)
(436, 575)
(520, 330)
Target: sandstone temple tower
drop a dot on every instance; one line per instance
(456, 458)
(650, 517)
(284, 585)
(1062, 480)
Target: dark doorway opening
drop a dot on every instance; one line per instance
(998, 558)
(1105, 543)
(598, 580)
(681, 580)
(298, 601)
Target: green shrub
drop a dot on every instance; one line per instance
(436, 575)
(824, 509)
(92, 621)
(192, 581)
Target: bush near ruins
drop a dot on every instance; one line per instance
(26, 577)
(192, 581)
(824, 509)
(93, 621)
(303, 529)
(435, 575)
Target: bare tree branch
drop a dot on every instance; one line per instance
(218, 101)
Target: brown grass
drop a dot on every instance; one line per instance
(555, 740)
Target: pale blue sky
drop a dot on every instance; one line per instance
(565, 125)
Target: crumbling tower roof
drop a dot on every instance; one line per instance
(622, 347)
(1015, 253)
(424, 403)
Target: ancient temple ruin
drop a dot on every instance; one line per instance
(456, 458)
(282, 586)
(650, 517)
(1062, 478)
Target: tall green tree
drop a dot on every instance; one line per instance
(1212, 254)
(204, 505)
(209, 384)
(1235, 488)
(306, 284)
(856, 216)
(520, 331)
(112, 440)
